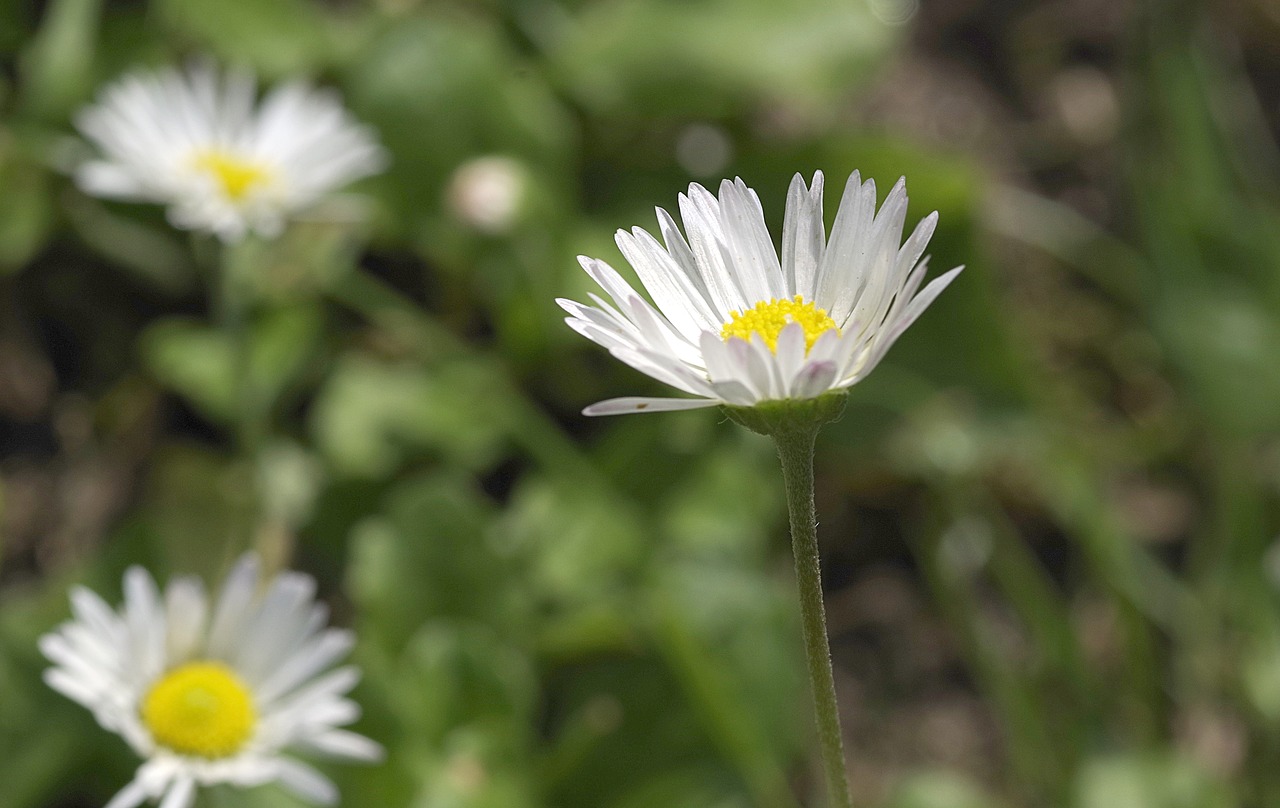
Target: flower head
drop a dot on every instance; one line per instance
(197, 142)
(735, 325)
(212, 693)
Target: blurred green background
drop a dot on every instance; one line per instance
(1049, 519)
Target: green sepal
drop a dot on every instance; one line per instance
(791, 416)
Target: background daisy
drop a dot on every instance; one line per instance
(198, 142)
(209, 693)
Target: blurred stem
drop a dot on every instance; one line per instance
(233, 318)
(795, 450)
(249, 413)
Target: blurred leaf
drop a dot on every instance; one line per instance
(939, 789)
(474, 768)
(685, 787)
(496, 105)
(461, 674)
(1153, 781)
(1225, 340)
(651, 737)
(26, 209)
(732, 640)
(729, 505)
(280, 38)
(57, 64)
(200, 363)
(428, 556)
(154, 254)
(373, 414)
(1260, 675)
(668, 57)
(578, 550)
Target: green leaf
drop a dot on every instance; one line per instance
(940, 789)
(200, 363)
(373, 414)
(57, 65)
(1149, 781)
(279, 38)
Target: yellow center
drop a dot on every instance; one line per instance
(200, 709)
(235, 175)
(768, 318)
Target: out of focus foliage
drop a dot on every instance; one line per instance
(1048, 519)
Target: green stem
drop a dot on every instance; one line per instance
(795, 450)
(250, 413)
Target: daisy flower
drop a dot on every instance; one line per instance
(735, 325)
(210, 693)
(197, 143)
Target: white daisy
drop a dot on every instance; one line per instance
(733, 324)
(212, 695)
(196, 143)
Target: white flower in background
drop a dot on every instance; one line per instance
(196, 142)
(212, 693)
(487, 192)
(733, 324)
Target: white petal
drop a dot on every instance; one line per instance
(609, 280)
(715, 355)
(146, 624)
(330, 686)
(665, 368)
(765, 362)
(701, 214)
(72, 687)
(913, 310)
(915, 246)
(804, 236)
(181, 794)
(754, 260)
(93, 611)
(789, 355)
(825, 347)
(815, 379)
(306, 782)
(753, 369)
(274, 631)
(605, 337)
(109, 180)
(669, 287)
(633, 404)
(879, 259)
(734, 392)
(187, 609)
(340, 743)
(680, 253)
(841, 276)
(658, 335)
(235, 603)
(305, 662)
(131, 796)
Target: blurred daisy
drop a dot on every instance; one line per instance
(212, 693)
(196, 143)
(733, 324)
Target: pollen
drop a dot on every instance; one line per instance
(768, 318)
(234, 175)
(201, 709)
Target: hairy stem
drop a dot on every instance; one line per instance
(795, 449)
